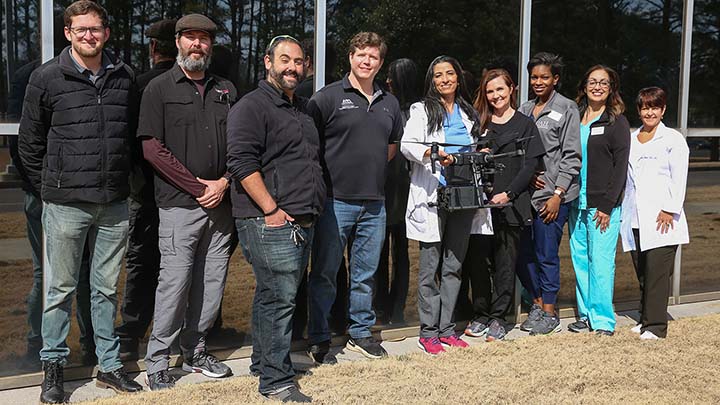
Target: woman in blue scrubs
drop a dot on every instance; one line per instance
(594, 221)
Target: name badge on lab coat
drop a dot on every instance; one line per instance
(597, 130)
(555, 116)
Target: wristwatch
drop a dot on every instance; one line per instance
(559, 193)
(511, 195)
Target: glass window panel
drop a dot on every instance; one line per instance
(639, 39)
(20, 38)
(705, 66)
(702, 208)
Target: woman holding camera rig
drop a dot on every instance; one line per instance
(511, 133)
(444, 116)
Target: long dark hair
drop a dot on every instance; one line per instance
(481, 103)
(613, 105)
(433, 101)
(404, 76)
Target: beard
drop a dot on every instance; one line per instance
(187, 62)
(281, 78)
(88, 53)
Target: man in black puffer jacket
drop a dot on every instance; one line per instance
(74, 142)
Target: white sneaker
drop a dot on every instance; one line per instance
(637, 328)
(647, 335)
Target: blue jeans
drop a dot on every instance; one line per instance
(364, 220)
(539, 269)
(278, 259)
(33, 215)
(67, 228)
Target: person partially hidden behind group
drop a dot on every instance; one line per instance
(444, 116)
(654, 222)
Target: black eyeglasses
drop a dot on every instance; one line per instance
(81, 31)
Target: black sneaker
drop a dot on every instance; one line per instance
(291, 394)
(52, 391)
(368, 347)
(579, 326)
(207, 364)
(159, 381)
(117, 380)
(320, 353)
(534, 316)
(548, 324)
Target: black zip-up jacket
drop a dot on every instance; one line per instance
(270, 135)
(608, 149)
(74, 138)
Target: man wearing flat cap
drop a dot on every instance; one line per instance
(142, 260)
(182, 125)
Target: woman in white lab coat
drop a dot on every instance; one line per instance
(654, 223)
(444, 116)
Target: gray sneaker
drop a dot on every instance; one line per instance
(476, 329)
(548, 324)
(579, 326)
(206, 363)
(534, 316)
(495, 331)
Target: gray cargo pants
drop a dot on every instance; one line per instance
(195, 248)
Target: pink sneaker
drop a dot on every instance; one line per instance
(453, 341)
(431, 346)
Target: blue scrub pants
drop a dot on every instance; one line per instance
(593, 257)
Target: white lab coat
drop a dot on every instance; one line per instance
(422, 220)
(656, 180)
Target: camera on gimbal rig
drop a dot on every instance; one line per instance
(470, 178)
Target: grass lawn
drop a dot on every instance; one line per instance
(575, 369)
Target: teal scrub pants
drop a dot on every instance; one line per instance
(593, 257)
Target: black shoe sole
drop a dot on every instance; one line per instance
(357, 349)
(101, 384)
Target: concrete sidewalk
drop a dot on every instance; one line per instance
(84, 390)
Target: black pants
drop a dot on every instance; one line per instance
(143, 267)
(497, 305)
(390, 296)
(654, 269)
(476, 287)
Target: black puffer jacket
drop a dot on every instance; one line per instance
(74, 138)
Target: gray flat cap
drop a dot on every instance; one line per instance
(196, 22)
(163, 29)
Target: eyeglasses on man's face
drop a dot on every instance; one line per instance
(81, 31)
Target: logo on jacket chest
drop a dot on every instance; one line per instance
(347, 104)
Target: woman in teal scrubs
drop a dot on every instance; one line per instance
(595, 216)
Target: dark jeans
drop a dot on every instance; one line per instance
(654, 269)
(506, 248)
(390, 295)
(33, 214)
(539, 264)
(142, 264)
(278, 263)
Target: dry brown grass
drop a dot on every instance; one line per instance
(12, 225)
(575, 369)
